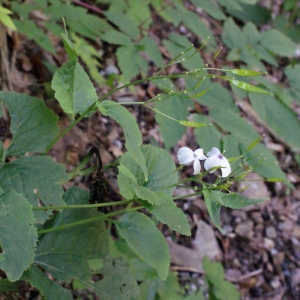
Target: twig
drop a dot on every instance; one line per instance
(186, 269)
(96, 9)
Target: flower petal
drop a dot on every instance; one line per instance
(197, 166)
(214, 151)
(211, 162)
(185, 155)
(199, 154)
(225, 167)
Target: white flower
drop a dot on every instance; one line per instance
(216, 159)
(186, 155)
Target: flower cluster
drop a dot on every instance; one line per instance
(214, 159)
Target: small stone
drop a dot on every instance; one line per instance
(275, 283)
(245, 229)
(271, 232)
(278, 258)
(256, 216)
(296, 232)
(268, 244)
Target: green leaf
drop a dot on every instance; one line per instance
(243, 72)
(278, 43)
(249, 13)
(124, 23)
(172, 131)
(248, 87)
(146, 240)
(233, 36)
(65, 253)
(207, 136)
(293, 74)
(275, 180)
(254, 143)
(33, 125)
(177, 44)
(5, 19)
(168, 213)
(194, 22)
(131, 131)
(18, 236)
(116, 37)
(90, 57)
(153, 51)
(47, 287)
(7, 286)
(213, 207)
(37, 178)
(233, 200)
(253, 36)
(211, 8)
(268, 109)
(69, 46)
(145, 194)
(122, 169)
(118, 282)
(160, 166)
(35, 33)
(218, 287)
(130, 61)
(192, 124)
(73, 88)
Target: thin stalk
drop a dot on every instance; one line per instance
(188, 195)
(159, 112)
(123, 202)
(77, 169)
(86, 221)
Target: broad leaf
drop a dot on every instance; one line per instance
(73, 88)
(160, 166)
(131, 131)
(211, 8)
(33, 125)
(47, 287)
(37, 178)
(268, 109)
(69, 46)
(213, 208)
(278, 43)
(7, 286)
(130, 61)
(124, 23)
(233, 36)
(116, 37)
(118, 282)
(168, 213)
(18, 236)
(218, 287)
(172, 131)
(65, 253)
(146, 240)
(145, 194)
(153, 51)
(234, 200)
(35, 33)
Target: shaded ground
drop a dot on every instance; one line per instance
(261, 250)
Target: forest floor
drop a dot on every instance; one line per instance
(261, 248)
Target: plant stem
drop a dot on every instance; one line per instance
(186, 196)
(123, 202)
(86, 221)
